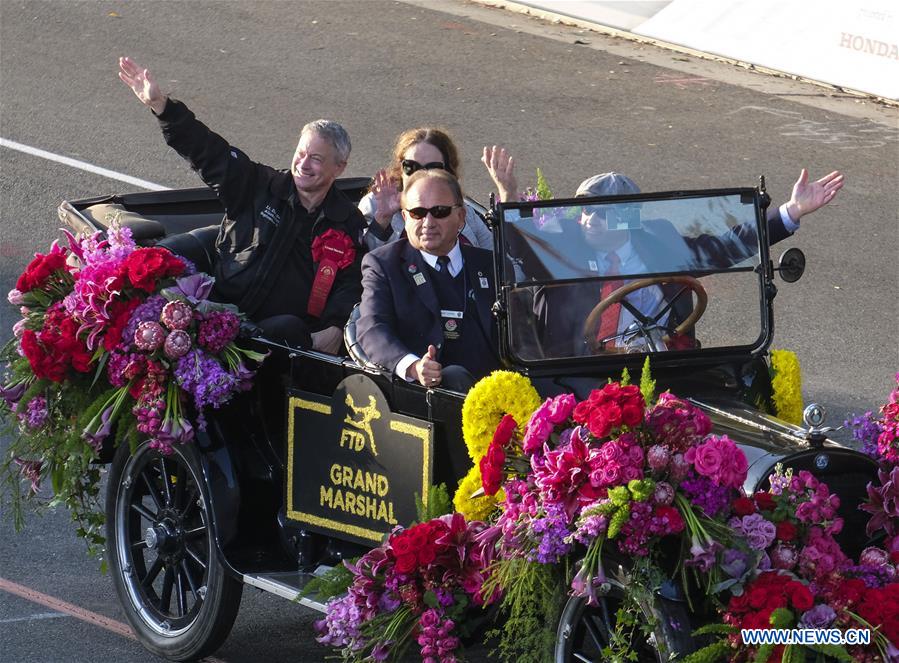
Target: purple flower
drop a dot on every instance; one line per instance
(708, 496)
(758, 531)
(821, 616)
(204, 378)
(30, 470)
(12, 393)
(150, 310)
(883, 503)
(36, 412)
(702, 555)
(194, 288)
(96, 437)
(734, 562)
(865, 430)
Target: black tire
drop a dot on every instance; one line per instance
(162, 556)
(584, 630)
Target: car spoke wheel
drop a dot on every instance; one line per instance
(585, 631)
(162, 555)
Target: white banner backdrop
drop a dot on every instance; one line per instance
(850, 43)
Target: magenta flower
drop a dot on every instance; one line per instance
(883, 503)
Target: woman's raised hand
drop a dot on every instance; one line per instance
(387, 198)
(501, 167)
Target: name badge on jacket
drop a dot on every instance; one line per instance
(452, 324)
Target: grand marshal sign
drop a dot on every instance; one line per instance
(353, 466)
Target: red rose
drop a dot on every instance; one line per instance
(631, 414)
(504, 430)
(786, 531)
(400, 544)
(39, 270)
(764, 501)
(743, 506)
(119, 313)
(800, 596)
(738, 603)
(582, 411)
(406, 563)
(598, 424)
(757, 597)
(144, 267)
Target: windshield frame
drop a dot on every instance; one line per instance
(592, 363)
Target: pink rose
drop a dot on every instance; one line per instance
(706, 458)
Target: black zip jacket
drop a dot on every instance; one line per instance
(258, 199)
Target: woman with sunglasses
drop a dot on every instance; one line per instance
(428, 148)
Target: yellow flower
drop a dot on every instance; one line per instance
(475, 508)
(786, 383)
(498, 394)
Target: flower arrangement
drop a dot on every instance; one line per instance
(498, 394)
(416, 586)
(879, 436)
(641, 481)
(115, 341)
(786, 385)
(616, 473)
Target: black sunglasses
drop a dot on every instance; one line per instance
(410, 166)
(438, 211)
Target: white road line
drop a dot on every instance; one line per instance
(81, 165)
(40, 615)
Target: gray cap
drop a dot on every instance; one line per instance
(607, 184)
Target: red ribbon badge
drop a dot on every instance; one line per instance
(333, 250)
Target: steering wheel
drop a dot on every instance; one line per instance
(691, 284)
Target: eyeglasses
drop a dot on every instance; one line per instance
(438, 211)
(410, 166)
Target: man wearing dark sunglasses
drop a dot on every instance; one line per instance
(425, 312)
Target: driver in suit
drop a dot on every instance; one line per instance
(426, 299)
(653, 246)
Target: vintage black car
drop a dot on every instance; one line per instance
(328, 453)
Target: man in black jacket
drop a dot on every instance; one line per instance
(288, 251)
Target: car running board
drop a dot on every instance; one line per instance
(288, 585)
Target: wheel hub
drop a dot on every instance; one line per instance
(162, 537)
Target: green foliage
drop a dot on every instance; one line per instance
(625, 377)
(440, 503)
(763, 654)
(793, 654)
(333, 582)
(832, 651)
(717, 628)
(647, 384)
(782, 618)
(533, 599)
(717, 651)
(543, 190)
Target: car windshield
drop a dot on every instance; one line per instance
(644, 273)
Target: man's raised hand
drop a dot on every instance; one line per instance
(810, 196)
(142, 83)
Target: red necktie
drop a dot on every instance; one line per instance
(608, 325)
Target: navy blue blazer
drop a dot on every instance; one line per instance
(399, 316)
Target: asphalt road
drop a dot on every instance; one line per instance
(571, 102)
